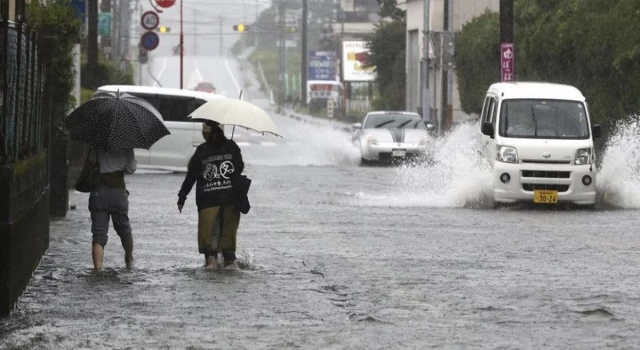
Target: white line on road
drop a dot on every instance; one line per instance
(226, 63)
(164, 67)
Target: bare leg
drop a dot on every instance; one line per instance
(212, 263)
(127, 244)
(98, 256)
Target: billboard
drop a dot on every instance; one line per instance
(354, 56)
(322, 65)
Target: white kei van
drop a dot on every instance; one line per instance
(171, 152)
(538, 139)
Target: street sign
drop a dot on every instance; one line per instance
(79, 9)
(165, 3)
(143, 56)
(150, 20)
(104, 23)
(330, 107)
(322, 65)
(150, 40)
(506, 61)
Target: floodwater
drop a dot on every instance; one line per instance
(338, 256)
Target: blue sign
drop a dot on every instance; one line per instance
(322, 65)
(150, 40)
(79, 9)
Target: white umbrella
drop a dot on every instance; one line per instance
(236, 112)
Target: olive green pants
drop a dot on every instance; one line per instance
(217, 230)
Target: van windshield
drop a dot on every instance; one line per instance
(544, 119)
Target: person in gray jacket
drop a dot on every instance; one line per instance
(110, 200)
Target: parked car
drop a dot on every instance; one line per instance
(172, 152)
(205, 86)
(387, 136)
(538, 138)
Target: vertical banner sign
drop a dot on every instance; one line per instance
(322, 65)
(104, 23)
(506, 62)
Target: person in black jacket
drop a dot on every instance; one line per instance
(213, 168)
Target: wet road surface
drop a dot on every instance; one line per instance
(338, 256)
(333, 258)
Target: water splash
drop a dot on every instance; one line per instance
(454, 176)
(619, 178)
(310, 142)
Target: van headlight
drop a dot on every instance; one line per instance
(507, 154)
(372, 140)
(583, 156)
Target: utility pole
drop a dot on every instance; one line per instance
(221, 36)
(303, 69)
(115, 30)
(426, 103)
(195, 30)
(255, 32)
(181, 45)
(281, 53)
(507, 57)
(446, 108)
(92, 36)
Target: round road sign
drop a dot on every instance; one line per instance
(165, 3)
(150, 20)
(150, 40)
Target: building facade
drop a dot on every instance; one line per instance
(440, 54)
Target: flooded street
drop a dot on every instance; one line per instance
(338, 256)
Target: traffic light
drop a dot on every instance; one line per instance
(240, 28)
(163, 29)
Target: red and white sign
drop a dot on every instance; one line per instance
(165, 3)
(506, 62)
(150, 20)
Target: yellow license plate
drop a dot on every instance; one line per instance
(546, 197)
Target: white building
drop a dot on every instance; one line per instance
(463, 12)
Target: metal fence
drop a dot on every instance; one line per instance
(21, 95)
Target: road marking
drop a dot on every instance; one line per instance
(226, 63)
(164, 67)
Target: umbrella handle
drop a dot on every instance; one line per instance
(233, 131)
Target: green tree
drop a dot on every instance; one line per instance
(56, 23)
(477, 51)
(387, 45)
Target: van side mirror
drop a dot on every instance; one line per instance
(430, 126)
(356, 126)
(596, 130)
(487, 129)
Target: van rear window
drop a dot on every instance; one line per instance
(172, 108)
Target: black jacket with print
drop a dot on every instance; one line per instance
(213, 167)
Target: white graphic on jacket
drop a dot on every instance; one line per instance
(218, 178)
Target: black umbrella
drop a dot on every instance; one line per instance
(113, 121)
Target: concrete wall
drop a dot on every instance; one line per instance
(24, 225)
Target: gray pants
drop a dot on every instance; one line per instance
(108, 202)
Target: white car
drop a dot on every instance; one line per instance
(171, 152)
(391, 136)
